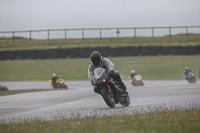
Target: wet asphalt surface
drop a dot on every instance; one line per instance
(80, 100)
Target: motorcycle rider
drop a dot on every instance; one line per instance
(186, 72)
(54, 78)
(199, 72)
(133, 73)
(98, 61)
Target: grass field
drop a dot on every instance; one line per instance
(14, 92)
(180, 120)
(150, 67)
(22, 43)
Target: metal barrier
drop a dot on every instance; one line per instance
(100, 31)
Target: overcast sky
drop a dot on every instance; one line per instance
(59, 14)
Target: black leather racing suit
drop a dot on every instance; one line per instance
(109, 66)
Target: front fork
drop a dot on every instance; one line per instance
(115, 94)
(106, 85)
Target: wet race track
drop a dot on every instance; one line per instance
(80, 100)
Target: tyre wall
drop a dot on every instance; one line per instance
(105, 51)
(165, 50)
(135, 51)
(43, 54)
(145, 50)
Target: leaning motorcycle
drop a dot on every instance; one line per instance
(137, 80)
(109, 89)
(191, 77)
(60, 83)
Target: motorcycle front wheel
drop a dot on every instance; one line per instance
(192, 80)
(142, 83)
(126, 101)
(108, 97)
(65, 86)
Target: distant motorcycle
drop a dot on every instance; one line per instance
(60, 83)
(109, 89)
(137, 80)
(191, 77)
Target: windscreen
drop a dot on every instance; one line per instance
(98, 72)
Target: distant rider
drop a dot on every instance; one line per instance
(133, 73)
(54, 78)
(98, 61)
(199, 72)
(186, 72)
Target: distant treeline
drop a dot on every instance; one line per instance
(84, 52)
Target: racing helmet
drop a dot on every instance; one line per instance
(186, 68)
(54, 75)
(132, 71)
(95, 57)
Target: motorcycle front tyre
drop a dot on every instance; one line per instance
(108, 98)
(194, 80)
(65, 86)
(126, 101)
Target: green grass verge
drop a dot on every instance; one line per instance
(167, 121)
(13, 92)
(150, 67)
(8, 44)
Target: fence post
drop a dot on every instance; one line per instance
(170, 31)
(152, 32)
(187, 31)
(65, 34)
(48, 34)
(82, 33)
(13, 36)
(135, 32)
(118, 32)
(100, 33)
(30, 35)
